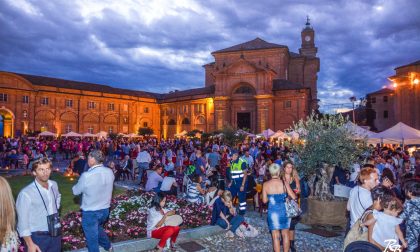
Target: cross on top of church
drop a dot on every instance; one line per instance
(307, 21)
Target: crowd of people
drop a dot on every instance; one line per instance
(384, 200)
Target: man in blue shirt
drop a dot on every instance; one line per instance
(200, 166)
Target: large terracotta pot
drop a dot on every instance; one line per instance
(326, 213)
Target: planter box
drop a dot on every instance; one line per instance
(150, 243)
(326, 213)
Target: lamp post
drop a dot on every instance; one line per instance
(353, 100)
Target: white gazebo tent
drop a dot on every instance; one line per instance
(243, 132)
(133, 135)
(279, 134)
(47, 134)
(89, 135)
(72, 134)
(293, 135)
(102, 134)
(397, 134)
(181, 134)
(358, 132)
(266, 133)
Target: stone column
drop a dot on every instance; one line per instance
(263, 117)
(221, 111)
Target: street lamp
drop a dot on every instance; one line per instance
(353, 99)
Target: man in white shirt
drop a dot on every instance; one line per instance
(96, 186)
(35, 202)
(143, 159)
(360, 197)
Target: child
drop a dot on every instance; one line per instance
(386, 224)
(411, 214)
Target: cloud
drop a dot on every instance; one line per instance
(161, 45)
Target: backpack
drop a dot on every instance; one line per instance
(246, 230)
(190, 169)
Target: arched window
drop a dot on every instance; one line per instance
(244, 89)
(186, 121)
(172, 122)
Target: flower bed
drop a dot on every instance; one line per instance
(128, 218)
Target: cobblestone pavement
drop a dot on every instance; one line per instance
(305, 242)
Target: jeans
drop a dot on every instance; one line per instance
(92, 224)
(234, 223)
(46, 242)
(142, 167)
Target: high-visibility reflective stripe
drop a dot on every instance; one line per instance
(242, 204)
(235, 176)
(236, 172)
(242, 208)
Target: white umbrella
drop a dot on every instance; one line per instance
(47, 133)
(72, 134)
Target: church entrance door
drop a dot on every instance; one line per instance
(243, 120)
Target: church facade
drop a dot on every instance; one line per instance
(254, 85)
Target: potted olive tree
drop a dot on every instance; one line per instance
(323, 143)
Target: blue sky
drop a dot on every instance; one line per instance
(161, 45)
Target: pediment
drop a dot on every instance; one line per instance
(243, 66)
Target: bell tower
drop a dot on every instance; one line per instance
(308, 40)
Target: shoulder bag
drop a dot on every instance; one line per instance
(292, 207)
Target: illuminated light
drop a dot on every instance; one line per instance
(416, 81)
(383, 86)
(71, 179)
(395, 85)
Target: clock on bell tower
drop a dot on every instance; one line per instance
(308, 40)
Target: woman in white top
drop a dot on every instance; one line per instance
(156, 218)
(9, 240)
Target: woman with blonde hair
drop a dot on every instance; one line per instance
(290, 176)
(275, 193)
(9, 240)
(224, 214)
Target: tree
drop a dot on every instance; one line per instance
(231, 137)
(195, 134)
(113, 136)
(325, 140)
(146, 131)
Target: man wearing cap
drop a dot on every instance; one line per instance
(237, 184)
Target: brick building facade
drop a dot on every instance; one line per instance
(255, 85)
(400, 104)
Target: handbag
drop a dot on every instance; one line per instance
(53, 220)
(174, 220)
(292, 207)
(357, 233)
